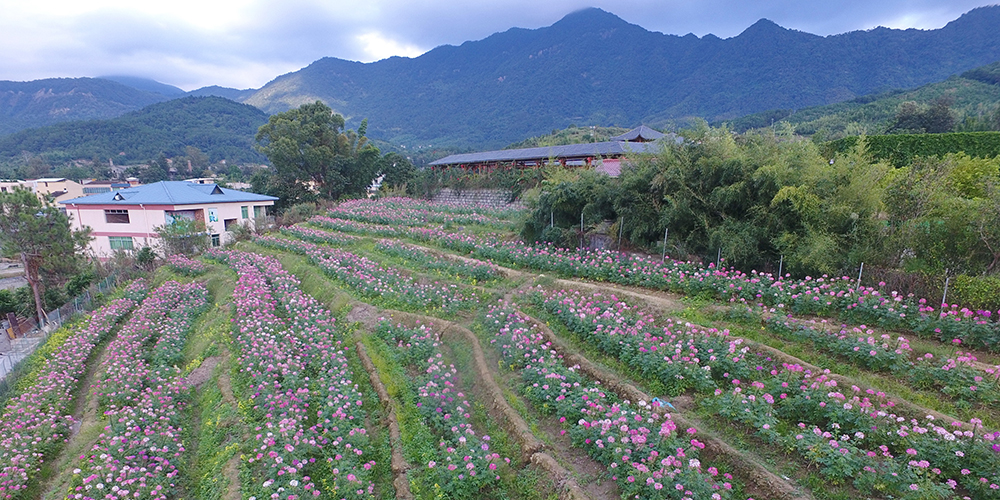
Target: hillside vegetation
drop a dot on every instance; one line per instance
(973, 97)
(220, 128)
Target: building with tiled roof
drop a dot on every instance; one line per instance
(126, 219)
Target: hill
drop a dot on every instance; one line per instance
(147, 85)
(220, 128)
(593, 68)
(45, 102)
(973, 95)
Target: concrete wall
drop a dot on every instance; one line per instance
(144, 220)
(496, 198)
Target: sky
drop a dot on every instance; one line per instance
(246, 43)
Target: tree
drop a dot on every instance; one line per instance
(305, 144)
(308, 147)
(40, 235)
(182, 236)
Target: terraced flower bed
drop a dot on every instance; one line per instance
(141, 451)
(372, 280)
(37, 421)
(300, 395)
(450, 458)
(644, 451)
(855, 437)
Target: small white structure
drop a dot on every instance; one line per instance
(126, 219)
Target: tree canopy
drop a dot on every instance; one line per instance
(40, 236)
(315, 158)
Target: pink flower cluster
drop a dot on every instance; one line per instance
(310, 435)
(141, 451)
(463, 463)
(184, 265)
(371, 279)
(642, 448)
(36, 423)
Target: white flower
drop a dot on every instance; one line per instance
(694, 463)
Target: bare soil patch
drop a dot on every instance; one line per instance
(203, 373)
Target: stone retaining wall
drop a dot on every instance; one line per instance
(495, 198)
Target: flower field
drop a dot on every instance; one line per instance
(777, 388)
(36, 422)
(141, 451)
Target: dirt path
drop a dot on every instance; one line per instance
(532, 448)
(760, 481)
(85, 429)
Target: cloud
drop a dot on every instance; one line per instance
(378, 47)
(246, 43)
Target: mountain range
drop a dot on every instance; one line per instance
(589, 68)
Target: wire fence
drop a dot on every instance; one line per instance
(14, 351)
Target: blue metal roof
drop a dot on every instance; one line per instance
(170, 193)
(571, 151)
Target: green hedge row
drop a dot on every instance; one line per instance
(900, 149)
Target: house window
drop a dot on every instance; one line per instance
(258, 212)
(213, 215)
(215, 240)
(230, 224)
(116, 216)
(121, 242)
(246, 212)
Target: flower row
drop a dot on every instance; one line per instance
(477, 271)
(372, 280)
(462, 464)
(960, 377)
(644, 451)
(299, 391)
(37, 422)
(141, 452)
(820, 296)
(185, 265)
(782, 401)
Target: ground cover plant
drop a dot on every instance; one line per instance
(644, 451)
(37, 421)
(141, 451)
(311, 437)
(855, 437)
(374, 281)
(450, 458)
(185, 265)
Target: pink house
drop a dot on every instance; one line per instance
(126, 219)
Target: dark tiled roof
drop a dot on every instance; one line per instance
(640, 133)
(571, 151)
(170, 193)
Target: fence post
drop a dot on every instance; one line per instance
(781, 262)
(944, 298)
(621, 227)
(663, 257)
(861, 270)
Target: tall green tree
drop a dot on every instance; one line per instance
(40, 236)
(308, 145)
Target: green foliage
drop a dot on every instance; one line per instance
(973, 104)
(989, 74)
(182, 236)
(40, 236)
(977, 292)
(902, 149)
(570, 135)
(220, 128)
(757, 197)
